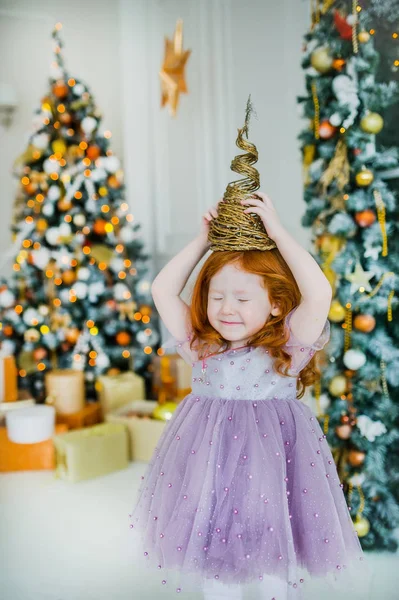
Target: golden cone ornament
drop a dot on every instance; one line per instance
(233, 229)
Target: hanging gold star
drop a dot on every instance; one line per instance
(360, 279)
(172, 75)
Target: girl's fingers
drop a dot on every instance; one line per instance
(252, 201)
(264, 197)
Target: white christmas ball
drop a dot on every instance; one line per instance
(351, 20)
(31, 315)
(7, 299)
(11, 315)
(64, 295)
(52, 235)
(65, 229)
(8, 348)
(324, 402)
(44, 310)
(143, 287)
(116, 264)
(102, 361)
(80, 289)
(41, 257)
(48, 210)
(41, 140)
(126, 235)
(51, 166)
(54, 192)
(89, 376)
(142, 337)
(120, 289)
(78, 89)
(354, 359)
(95, 290)
(111, 163)
(98, 174)
(335, 119)
(79, 220)
(83, 273)
(89, 124)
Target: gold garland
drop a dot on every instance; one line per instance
(316, 110)
(384, 379)
(379, 284)
(381, 219)
(315, 10)
(233, 229)
(338, 168)
(327, 4)
(354, 27)
(348, 326)
(361, 495)
(390, 297)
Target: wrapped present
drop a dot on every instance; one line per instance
(5, 407)
(65, 389)
(27, 457)
(144, 431)
(91, 414)
(31, 425)
(171, 377)
(8, 379)
(91, 452)
(115, 391)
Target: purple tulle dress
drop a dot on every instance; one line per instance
(242, 492)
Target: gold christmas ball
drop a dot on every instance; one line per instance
(99, 226)
(365, 323)
(41, 225)
(93, 152)
(31, 335)
(113, 182)
(326, 130)
(372, 123)
(356, 457)
(321, 60)
(60, 89)
(69, 277)
(362, 526)
(363, 37)
(72, 335)
(364, 177)
(343, 431)
(39, 354)
(59, 146)
(337, 312)
(123, 338)
(64, 205)
(113, 371)
(164, 412)
(365, 218)
(338, 385)
(145, 310)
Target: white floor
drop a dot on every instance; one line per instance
(63, 541)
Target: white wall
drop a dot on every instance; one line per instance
(175, 168)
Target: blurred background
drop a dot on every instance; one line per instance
(113, 143)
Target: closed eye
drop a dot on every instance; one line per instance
(240, 300)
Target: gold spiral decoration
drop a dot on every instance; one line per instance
(233, 229)
(389, 308)
(316, 110)
(361, 497)
(354, 27)
(315, 10)
(348, 326)
(381, 219)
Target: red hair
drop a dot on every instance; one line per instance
(282, 289)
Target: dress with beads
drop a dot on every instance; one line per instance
(242, 487)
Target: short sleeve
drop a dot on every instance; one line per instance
(302, 353)
(182, 347)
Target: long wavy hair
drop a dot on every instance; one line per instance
(282, 289)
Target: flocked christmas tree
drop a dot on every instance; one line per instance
(77, 296)
(353, 212)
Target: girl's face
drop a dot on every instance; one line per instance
(238, 304)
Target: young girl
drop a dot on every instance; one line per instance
(242, 492)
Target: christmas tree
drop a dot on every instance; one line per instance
(77, 296)
(353, 212)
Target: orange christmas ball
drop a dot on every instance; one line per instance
(99, 226)
(72, 335)
(64, 205)
(39, 354)
(31, 188)
(60, 89)
(343, 431)
(365, 323)
(123, 338)
(65, 118)
(114, 182)
(113, 371)
(326, 130)
(69, 277)
(356, 457)
(8, 330)
(93, 152)
(365, 218)
(41, 225)
(338, 64)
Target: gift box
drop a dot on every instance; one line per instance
(8, 379)
(6, 407)
(91, 452)
(115, 391)
(91, 414)
(144, 432)
(27, 457)
(171, 377)
(31, 425)
(65, 389)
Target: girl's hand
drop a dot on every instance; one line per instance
(263, 206)
(207, 218)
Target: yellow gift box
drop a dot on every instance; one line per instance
(115, 391)
(172, 377)
(8, 379)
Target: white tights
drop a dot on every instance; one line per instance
(214, 590)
